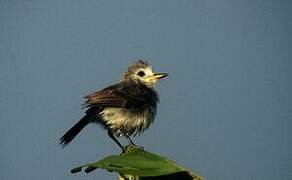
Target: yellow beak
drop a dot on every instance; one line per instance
(157, 76)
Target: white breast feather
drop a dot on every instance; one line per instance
(120, 120)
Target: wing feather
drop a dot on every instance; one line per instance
(118, 95)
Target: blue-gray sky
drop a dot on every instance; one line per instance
(225, 108)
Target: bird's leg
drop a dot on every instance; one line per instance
(111, 135)
(132, 143)
(129, 139)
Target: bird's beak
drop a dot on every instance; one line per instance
(155, 77)
(159, 75)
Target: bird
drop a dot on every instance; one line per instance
(124, 109)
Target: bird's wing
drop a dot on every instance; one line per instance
(117, 95)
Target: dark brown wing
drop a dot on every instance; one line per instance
(123, 94)
(104, 98)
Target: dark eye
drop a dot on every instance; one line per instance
(141, 73)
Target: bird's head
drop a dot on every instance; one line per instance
(142, 72)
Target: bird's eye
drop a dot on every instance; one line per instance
(141, 73)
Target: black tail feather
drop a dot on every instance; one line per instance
(74, 131)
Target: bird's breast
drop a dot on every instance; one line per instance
(123, 121)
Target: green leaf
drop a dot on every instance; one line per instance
(137, 162)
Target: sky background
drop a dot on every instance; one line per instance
(225, 111)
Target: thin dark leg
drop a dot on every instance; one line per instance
(129, 139)
(131, 142)
(115, 139)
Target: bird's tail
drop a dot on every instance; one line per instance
(75, 130)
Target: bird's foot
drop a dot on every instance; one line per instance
(130, 147)
(134, 146)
